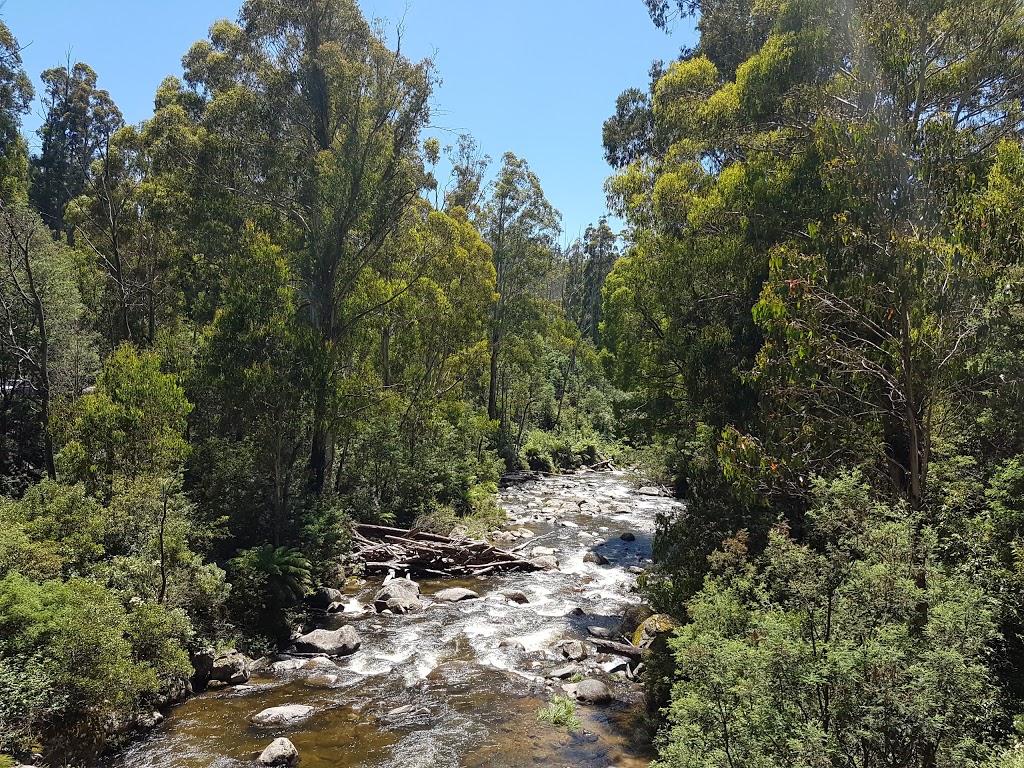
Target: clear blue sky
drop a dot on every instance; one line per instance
(535, 77)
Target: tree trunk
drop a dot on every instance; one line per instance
(492, 392)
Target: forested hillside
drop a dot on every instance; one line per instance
(820, 312)
(234, 328)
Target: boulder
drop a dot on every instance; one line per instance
(231, 667)
(547, 563)
(652, 628)
(589, 691)
(601, 632)
(633, 618)
(286, 666)
(456, 595)
(627, 536)
(321, 599)
(406, 589)
(202, 664)
(573, 650)
(339, 642)
(175, 692)
(401, 603)
(516, 596)
(289, 714)
(542, 551)
(280, 752)
(595, 557)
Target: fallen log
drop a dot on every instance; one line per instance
(618, 649)
(383, 548)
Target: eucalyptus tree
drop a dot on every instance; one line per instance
(16, 95)
(300, 118)
(520, 225)
(79, 123)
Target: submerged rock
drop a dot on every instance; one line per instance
(650, 490)
(548, 563)
(280, 752)
(627, 536)
(339, 642)
(456, 595)
(289, 714)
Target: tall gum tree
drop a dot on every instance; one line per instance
(309, 124)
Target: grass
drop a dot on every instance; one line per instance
(560, 711)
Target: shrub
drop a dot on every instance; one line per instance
(560, 711)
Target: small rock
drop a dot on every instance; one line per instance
(568, 524)
(515, 596)
(563, 672)
(456, 595)
(289, 714)
(280, 752)
(595, 557)
(601, 632)
(616, 665)
(542, 551)
(286, 666)
(512, 643)
(548, 563)
(589, 691)
(627, 536)
(636, 570)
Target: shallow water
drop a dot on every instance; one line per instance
(474, 693)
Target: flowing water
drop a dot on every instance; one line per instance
(465, 678)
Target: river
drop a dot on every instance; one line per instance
(467, 678)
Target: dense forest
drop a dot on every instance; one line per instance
(259, 315)
(232, 329)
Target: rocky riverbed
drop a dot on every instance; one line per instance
(458, 681)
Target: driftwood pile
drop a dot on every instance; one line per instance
(419, 553)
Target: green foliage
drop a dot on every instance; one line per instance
(129, 427)
(92, 657)
(560, 711)
(857, 642)
(268, 580)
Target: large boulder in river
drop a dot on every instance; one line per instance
(231, 667)
(289, 714)
(321, 599)
(280, 752)
(202, 665)
(456, 595)
(547, 562)
(398, 596)
(589, 691)
(338, 642)
(652, 629)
